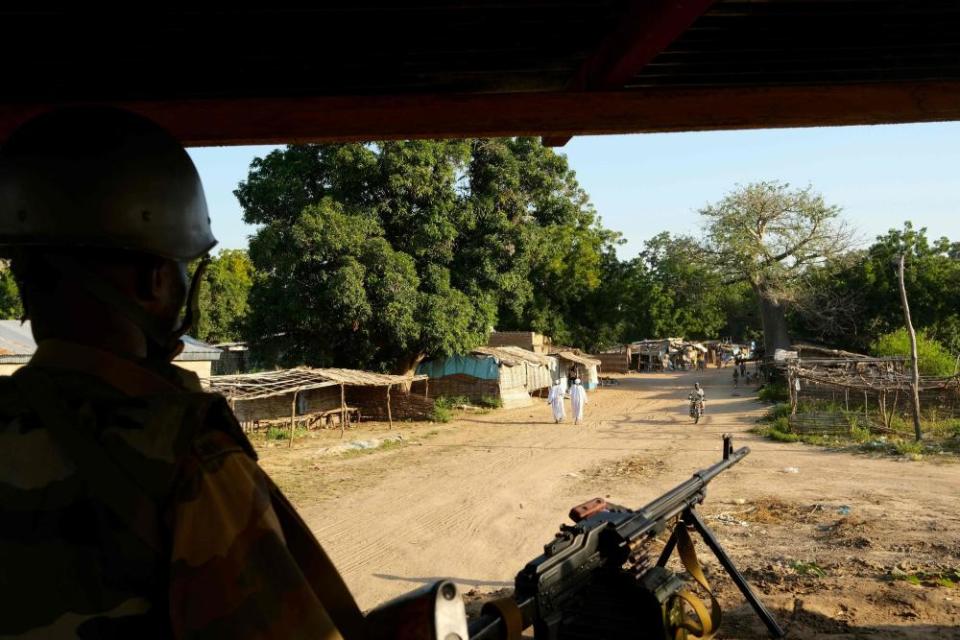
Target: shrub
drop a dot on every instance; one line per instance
(933, 357)
(780, 410)
(782, 424)
(782, 436)
(449, 402)
(775, 392)
(908, 448)
(493, 402)
(277, 433)
(441, 413)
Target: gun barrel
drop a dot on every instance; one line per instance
(685, 494)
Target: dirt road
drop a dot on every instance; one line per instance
(477, 498)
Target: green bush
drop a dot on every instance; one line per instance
(449, 402)
(774, 393)
(933, 357)
(780, 410)
(782, 436)
(441, 413)
(908, 448)
(492, 402)
(782, 424)
(282, 433)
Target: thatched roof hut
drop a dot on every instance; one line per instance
(306, 395)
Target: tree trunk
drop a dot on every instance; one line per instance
(774, 320)
(914, 361)
(407, 364)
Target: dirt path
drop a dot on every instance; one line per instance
(476, 499)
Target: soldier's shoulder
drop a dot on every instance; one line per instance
(12, 404)
(211, 427)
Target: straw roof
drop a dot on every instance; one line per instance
(513, 356)
(359, 378)
(252, 386)
(579, 359)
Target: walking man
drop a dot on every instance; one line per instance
(578, 401)
(572, 374)
(555, 400)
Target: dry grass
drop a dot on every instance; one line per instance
(627, 468)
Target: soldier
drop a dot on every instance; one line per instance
(131, 504)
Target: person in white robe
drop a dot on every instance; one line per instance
(578, 401)
(555, 400)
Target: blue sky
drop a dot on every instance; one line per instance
(647, 183)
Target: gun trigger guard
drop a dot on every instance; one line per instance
(509, 612)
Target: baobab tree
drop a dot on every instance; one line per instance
(769, 235)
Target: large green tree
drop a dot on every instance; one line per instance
(11, 307)
(537, 239)
(769, 236)
(862, 291)
(223, 297)
(377, 255)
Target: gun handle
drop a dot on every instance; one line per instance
(433, 612)
(587, 509)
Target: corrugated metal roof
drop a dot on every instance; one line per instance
(17, 345)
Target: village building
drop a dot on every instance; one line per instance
(17, 347)
(588, 367)
(529, 340)
(506, 376)
(653, 355)
(320, 396)
(615, 360)
(234, 358)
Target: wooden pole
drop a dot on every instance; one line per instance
(794, 400)
(389, 412)
(293, 418)
(914, 360)
(343, 409)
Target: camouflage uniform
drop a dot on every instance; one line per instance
(200, 553)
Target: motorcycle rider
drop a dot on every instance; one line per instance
(698, 395)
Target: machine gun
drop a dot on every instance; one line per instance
(595, 579)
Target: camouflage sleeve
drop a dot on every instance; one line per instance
(231, 574)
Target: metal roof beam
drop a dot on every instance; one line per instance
(648, 28)
(350, 119)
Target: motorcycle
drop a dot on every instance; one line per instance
(696, 407)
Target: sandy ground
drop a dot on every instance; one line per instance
(475, 499)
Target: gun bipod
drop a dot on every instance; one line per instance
(690, 518)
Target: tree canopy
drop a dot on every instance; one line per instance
(770, 235)
(376, 255)
(10, 306)
(224, 297)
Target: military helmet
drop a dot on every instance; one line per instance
(102, 178)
